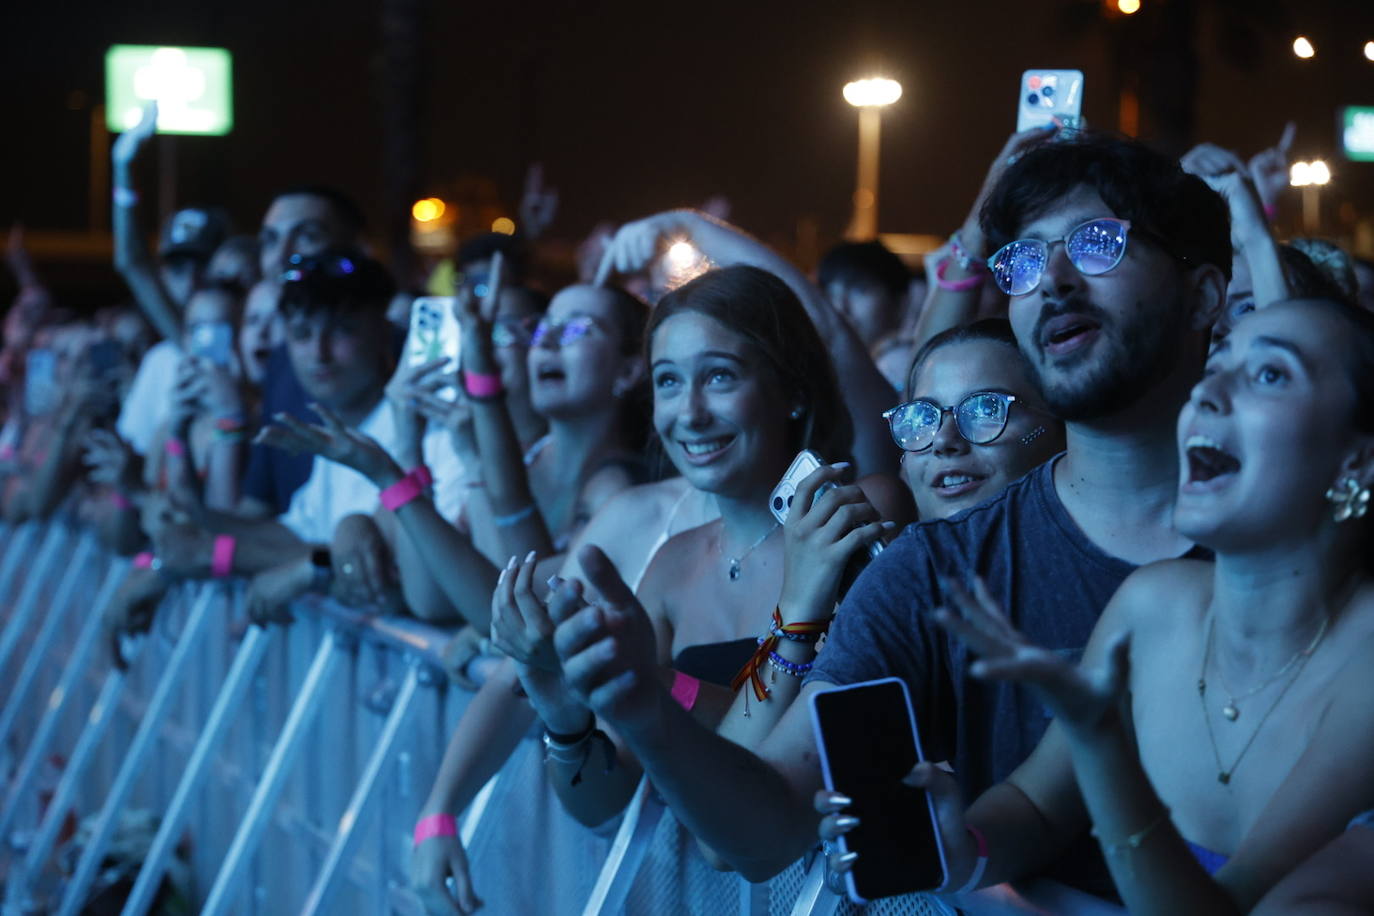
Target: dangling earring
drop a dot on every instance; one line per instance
(1351, 499)
(1031, 436)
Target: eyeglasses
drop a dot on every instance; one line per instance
(330, 265)
(981, 417)
(570, 331)
(1094, 248)
(510, 332)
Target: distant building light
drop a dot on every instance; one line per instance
(1128, 6)
(1369, 50)
(1304, 174)
(504, 225)
(427, 210)
(1303, 48)
(873, 92)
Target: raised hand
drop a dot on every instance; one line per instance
(1081, 698)
(538, 205)
(1208, 159)
(127, 147)
(520, 624)
(609, 649)
(475, 318)
(432, 864)
(111, 460)
(334, 441)
(1268, 168)
(820, 540)
(635, 245)
(361, 560)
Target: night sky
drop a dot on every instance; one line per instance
(635, 107)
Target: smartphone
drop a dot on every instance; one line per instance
(1050, 95)
(213, 341)
(780, 500)
(434, 333)
(40, 381)
(867, 737)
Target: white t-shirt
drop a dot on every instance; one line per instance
(333, 491)
(149, 400)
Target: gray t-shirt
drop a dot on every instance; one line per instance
(1052, 581)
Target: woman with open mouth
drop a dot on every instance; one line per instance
(1219, 731)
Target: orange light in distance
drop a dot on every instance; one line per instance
(1302, 47)
(504, 225)
(427, 210)
(1128, 6)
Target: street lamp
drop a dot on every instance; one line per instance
(1310, 176)
(869, 96)
(1302, 47)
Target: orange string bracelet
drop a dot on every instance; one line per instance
(805, 631)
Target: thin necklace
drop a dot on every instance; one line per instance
(1223, 772)
(734, 562)
(1232, 709)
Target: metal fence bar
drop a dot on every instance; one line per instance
(231, 693)
(48, 632)
(318, 899)
(28, 596)
(72, 673)
(15, 551)
(143, 743)
(303, 711)
(627, 853)
(815, 898)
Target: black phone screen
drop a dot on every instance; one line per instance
(869, 745)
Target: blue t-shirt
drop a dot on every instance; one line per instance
(273, 474)
(1052, 581)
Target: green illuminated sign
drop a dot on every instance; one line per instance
(193, 88)
(1357, 132)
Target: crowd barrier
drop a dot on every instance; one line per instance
(280, 770)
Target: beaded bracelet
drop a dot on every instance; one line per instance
(967, 262)
(777, 630)
(778, 663)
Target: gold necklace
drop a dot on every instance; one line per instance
(1224, 773)
(1232, 709)
(734, 562)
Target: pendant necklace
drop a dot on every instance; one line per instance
(1232, 709)
(734, 562)
(1231, 712)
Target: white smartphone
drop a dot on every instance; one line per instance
(213, 341)
(780, 501)
(867, 738)
(434, 333)
(1048, 95)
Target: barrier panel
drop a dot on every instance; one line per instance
(251, 770)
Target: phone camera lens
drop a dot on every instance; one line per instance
(1033, 99)
(1047, 92)
(789, 501)
(777, 503)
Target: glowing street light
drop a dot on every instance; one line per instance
(1128, 6)
(1369, 50)
(869, 96)
(1311, 177)
(1303, 48)
(427, 210)
(504, 225)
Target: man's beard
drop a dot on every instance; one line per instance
(1130, 360)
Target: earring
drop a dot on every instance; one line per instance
(1031, 436)
(1351, 499)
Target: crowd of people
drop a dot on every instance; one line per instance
(1092, 484)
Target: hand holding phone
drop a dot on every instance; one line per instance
(1048, 96)
(867, 738)
(434, 334)
(213, 341)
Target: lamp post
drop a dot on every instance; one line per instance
(1311, 177)
(869, 96)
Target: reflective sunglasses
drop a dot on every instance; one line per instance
(570, 331)
(510, 332)
(1094, 248)
(981, 417)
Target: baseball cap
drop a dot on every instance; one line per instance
(194, 231)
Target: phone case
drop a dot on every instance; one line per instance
(213, 340)
(780, 500)
(434, 333)
(1049, 94)
(819, 734)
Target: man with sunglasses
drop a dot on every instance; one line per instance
(1115, 262)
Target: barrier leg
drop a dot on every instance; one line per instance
(303, 711)
(236, 684)
(72, 673)
(815, 898)
(20, 543)
(138, 750)
(317, 901)
(48, 555)
(48, 632)
(627, 853)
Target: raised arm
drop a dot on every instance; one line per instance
(133, 260)
(866, 393)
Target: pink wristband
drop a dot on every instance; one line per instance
(174, 447)
(955, 286)
(482, 385)
(222, 558)
(406, 489)
(120, 500)
(143, 560)
(435, 825)
(685, 690)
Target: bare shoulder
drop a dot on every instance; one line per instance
(675, 559)
(1157, 594)
(630, 506)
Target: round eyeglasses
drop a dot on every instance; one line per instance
(981, 418)
(1094, 248)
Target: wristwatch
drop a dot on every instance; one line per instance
(321, 570)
